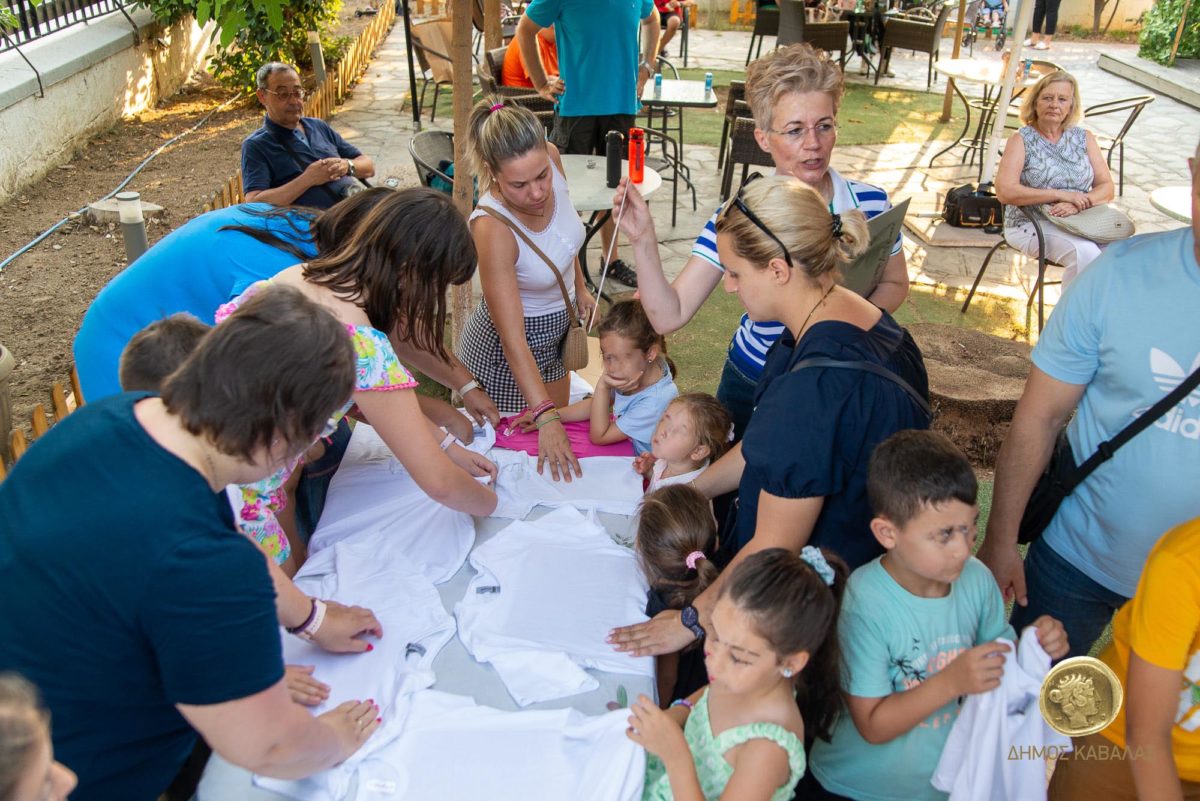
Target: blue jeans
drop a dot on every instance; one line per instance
(1061, 590)
(736, 394)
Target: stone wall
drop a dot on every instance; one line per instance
(92, 76)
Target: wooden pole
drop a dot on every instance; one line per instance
(1179, 33)
(460, 59)
(948, 101)
(492, 36)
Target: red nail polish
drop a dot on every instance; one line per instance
(379, 720)
(371, 701)
(370, 647)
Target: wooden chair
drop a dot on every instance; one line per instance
(431, 42)
(794, 28)
(744, 150)
(766, 23)
(429, 149)
(737, 94)
(1039, 285)
(61, 405)
(1134, 106)
(917, 35)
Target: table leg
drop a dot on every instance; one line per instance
(966, 124)
(592, 227)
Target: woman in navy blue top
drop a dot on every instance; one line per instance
(801, 469)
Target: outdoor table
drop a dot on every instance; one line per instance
(587, 184)
(1173, 201)
(969, 70)
(661, 100)
(457, 672)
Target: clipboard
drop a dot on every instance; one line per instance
(862, 275)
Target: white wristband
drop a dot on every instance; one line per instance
(467, 387)
(310, 631)
(448, 441)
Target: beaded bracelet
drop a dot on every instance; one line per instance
(541, 409)
(682, 702)
(548, 421)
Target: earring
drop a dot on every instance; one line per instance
(788, 673)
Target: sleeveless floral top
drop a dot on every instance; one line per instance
(376, 369)
(708, 754)
(1053, 165)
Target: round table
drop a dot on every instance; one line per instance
(587, 184)
(1173, 201)
(985, 73)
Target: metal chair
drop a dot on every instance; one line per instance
(737, 94)
(744, 150)
(429, 149)
(1134, 106)
(794, 28)
(766, 23)
(920, 36)
(430, 40)
(491, 73)
(1039, 285)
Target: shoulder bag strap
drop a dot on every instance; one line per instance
(491, 212)
(867, 367)
(1106, 449)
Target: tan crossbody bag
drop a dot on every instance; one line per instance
(574, 349)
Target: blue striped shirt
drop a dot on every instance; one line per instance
(751, 341)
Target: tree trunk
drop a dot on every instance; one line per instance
(460, 57)
(493, 37)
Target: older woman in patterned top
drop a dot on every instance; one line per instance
(1054, 163)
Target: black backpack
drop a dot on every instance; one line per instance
(968, 207)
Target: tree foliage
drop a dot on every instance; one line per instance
(1158, 31)
(252, 32)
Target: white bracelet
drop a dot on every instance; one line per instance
(318, 617)
(448, 441)
(467, 387)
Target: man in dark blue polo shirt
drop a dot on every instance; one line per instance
(293, 159)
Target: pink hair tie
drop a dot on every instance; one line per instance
(495, 107)
(693, 558)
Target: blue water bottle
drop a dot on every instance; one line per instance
(707, 84)
(658, 84)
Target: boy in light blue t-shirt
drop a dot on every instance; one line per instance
(917, 628)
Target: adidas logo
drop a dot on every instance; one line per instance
(1169, 374)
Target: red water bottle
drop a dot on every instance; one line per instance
(637, 155)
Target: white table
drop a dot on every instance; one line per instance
(587, 184)
(457, 672)
(1173, 201)
(977, 71)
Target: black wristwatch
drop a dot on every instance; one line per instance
(690, 618)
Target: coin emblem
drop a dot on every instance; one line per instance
(1080, 696)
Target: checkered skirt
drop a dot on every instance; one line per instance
(480, 350)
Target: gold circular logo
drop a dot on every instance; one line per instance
(1080, 696)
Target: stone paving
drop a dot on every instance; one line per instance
(378, 120)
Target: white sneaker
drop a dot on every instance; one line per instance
(1027, 43)
(1041, 46)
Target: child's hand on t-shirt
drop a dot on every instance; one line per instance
(643, 464)
(656, 731)
(1052, 636)
(978, 669)
(303, 688)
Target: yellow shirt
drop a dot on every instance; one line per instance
(1162, 625)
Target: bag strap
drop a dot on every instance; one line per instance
(491, 212)
(1106, 449)
(867, 367)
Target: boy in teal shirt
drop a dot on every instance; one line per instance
(917, 629)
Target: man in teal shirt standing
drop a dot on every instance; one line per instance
(600, 74)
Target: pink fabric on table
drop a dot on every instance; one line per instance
(577, 435)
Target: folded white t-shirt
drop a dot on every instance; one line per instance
(608, 484)
(545, 597)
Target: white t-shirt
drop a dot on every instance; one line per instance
(608, 484)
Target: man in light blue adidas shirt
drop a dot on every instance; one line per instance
(1125, 333)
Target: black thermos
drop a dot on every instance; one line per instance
(613, 148)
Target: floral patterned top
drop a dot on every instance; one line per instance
(708, 753)
(377, 369)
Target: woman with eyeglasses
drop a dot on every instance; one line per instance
(842, 378)
(794, 94)
(130, 598)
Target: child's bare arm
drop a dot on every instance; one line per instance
(760, 770)
(976, 670)
(603, 429)
(580, 410)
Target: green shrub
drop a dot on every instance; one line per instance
(1158, 31)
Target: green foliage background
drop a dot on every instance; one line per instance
(1158, 31)
(253, 32)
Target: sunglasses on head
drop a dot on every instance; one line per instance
(737, 202)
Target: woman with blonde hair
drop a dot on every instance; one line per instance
(843, 377)
(28, 770)
(1052, 162)
(528, 236)
(794, 93)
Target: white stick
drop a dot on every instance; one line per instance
(608, 258)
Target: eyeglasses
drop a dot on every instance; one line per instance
(299, 94)
(331, 426)
(823, 130)
(741, 206)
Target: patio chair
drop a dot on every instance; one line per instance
(737, 94)
(919, 36)
(1039, 285)
(793, 29)
(508, 26)
(1134, 106)
(428, 150)
(744, 150)
(766, 23)
(431, 43)
(491, 73)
